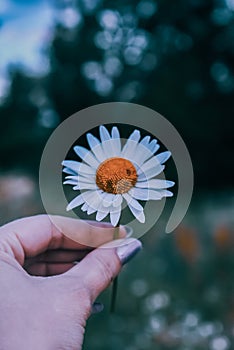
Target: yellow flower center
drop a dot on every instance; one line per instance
(116, 175)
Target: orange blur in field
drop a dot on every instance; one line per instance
(187, 243)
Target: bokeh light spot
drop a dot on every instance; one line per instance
(146, 8)
(219, 71)
(220, 343)
(48, 118)
(113, 66)
(109, 19)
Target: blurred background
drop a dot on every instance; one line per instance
(176, 57)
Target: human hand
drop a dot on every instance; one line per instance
(45, 299)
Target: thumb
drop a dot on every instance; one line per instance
(97, 270)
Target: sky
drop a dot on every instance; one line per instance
(25, 27)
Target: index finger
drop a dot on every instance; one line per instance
(33, 235)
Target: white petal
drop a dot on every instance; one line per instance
(102, 214)
(151, 172)
(89, 179)
(104, 133)
(133, 202)
(153, 146)
(70, 182)
(139, 214)
(110, 149)
(86, 169)
(75, 202)
(91, 160)
(155, 195)
(142, 153)
(155, 184)
(151, 163)
(87, 156)
(78, 167)
(85, 186)
(115, 216)
(111, 145)
(69, 171)
(81, 151)
(145, 141)
(163, 157)
(165, 193)
(84, 207)
(115, 133)
(115, 142)
(88, 209)
(129, 149)
(71, 177)
(118, 200)
(145, 194)
(91, 210)
(139, 193)
(108, 199)
(92, 140)
(149, 144)
(135, 136)
(130, 146)
(99, 153)
(71, 164)
(93, 198)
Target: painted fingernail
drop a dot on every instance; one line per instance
(97, 307)
(128, 250)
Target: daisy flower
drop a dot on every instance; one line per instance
(110, 174)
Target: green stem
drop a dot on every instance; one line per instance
(114, 295)
(115, 282)
(116, 232)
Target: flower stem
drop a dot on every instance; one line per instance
(114, 295)
(115, 282)
(116, 232)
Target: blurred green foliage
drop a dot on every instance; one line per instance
(177, 294)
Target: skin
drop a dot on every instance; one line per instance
(45, 298)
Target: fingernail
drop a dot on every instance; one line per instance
(128, 250)
(97, 307)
